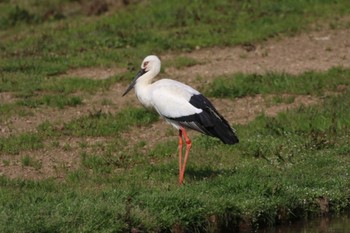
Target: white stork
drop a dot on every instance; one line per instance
(181, 106)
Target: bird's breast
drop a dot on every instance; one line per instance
(144, 96)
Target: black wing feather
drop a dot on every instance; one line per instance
(208, 122)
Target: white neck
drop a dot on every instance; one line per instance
(142, 88)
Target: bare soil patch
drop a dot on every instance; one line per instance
(6, 97)
(317, 51)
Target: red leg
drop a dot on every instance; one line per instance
(188, 148)
(180, 154)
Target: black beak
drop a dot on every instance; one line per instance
(132, 84)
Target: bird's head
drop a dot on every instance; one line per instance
(151, 62)
(150, 67)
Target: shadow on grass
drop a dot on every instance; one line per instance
(204, 173)
(193, 172)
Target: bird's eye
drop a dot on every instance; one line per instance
(145, 63)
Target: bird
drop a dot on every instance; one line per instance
(180, 105)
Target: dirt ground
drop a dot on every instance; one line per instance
(317, 50)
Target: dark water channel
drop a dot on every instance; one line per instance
(330, 224)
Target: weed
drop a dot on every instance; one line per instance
(18, 15)
(67, 147)
(5, 162)
(55, 144)
(28, 161)
(106, 102)
(83, 145)
(276, 100)
(7, 110)
(265, 53)
(96, 163)
(25, 141)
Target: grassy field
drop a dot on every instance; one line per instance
(285, 167)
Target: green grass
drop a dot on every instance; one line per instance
(280, 99)
(28, 161)
(120, 37)
(8, 110)
(73, 84)
(182, 62)
(102, 124)
(309, 83)
(28, 84)
(59, 101)
(17, 143)
(24, 106)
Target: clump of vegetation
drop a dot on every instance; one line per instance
(28, 161)
(17, 15)
(17, 143)
(182, 62)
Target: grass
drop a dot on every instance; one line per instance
(182, 62)
(28, 161)
(101, 124)
(24, 106)
(15, 144)
(310, 83)
(280, 99)
(10, 109)
(120, 38)
(25, 84)
(59, 101)
(277, 173)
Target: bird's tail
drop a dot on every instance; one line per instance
(225, 133)
(216, 126)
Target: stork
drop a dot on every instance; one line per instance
(181, 106)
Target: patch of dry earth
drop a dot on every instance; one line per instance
(317, 51)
